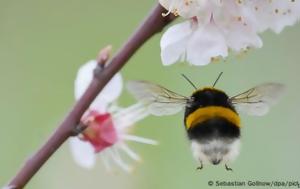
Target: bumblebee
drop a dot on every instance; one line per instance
(211, 117)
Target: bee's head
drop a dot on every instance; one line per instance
(207, 96)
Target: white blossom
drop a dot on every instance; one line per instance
(108, 125)
(214, 27)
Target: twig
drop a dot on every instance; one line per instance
(153, 24)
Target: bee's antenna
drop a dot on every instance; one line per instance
(186, 78)
(217, 79)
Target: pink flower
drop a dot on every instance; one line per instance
(101, 132)
(108, 125)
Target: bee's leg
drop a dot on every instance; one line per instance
(228, 168)
(201, 166)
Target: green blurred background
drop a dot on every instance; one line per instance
(42, 44)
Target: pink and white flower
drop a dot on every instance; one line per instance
(108, 124)
(214, 27)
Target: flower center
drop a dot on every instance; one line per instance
(101, 132)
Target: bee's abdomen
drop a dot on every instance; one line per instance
(213, 128)
(211, 122)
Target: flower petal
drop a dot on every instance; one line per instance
(237, 26)
(173, 42)
(241, 37)
(275, 14)
(207, 42)
(110, 92)
(82, 152)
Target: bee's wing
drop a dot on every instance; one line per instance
(160, 100)
(257, 101)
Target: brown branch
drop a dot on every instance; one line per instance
(153, 24)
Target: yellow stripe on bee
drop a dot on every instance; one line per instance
(205, 113)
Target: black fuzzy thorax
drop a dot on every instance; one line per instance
(215, 127)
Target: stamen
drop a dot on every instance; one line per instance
(117, 158)
(139, 139)
(167, 13)
(171, 9)
(123, 120)
(105, 160)
(129, 152)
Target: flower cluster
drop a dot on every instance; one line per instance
(108, 124)
(213, 27)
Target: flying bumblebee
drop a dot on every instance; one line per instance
(211, 117)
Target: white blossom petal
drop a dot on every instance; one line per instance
(240, 38)
(237, 28)
(173, 42)
(110, 92)
(275, 14)
(207, 42)
(82, 152)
